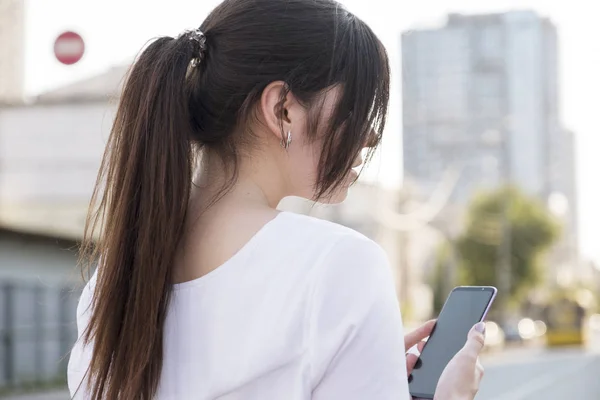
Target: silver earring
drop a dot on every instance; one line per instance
(285, 143)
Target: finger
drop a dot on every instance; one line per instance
(480, 370)
(479, 365)
(475, 340)
(419, 334)
(411, 361)
(421, 345)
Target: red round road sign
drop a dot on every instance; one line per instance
(69, 48)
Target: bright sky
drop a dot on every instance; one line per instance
(114, 30)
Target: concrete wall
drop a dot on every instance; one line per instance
(49, 158)
(12, 49)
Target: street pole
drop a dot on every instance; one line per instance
(503, 267)
(405, 273)
(451, 267)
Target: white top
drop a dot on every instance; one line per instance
(305, 310)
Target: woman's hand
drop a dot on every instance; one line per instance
(416, 338)
(461, 377)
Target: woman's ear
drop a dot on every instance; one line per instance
(279, 112)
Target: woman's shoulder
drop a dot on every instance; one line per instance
(337, 249)
(353, 316)
(321, 231)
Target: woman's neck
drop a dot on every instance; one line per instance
(256, 184)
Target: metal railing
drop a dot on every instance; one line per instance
(37, 331)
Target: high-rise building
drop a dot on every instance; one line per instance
(481, 94)
(12, 49)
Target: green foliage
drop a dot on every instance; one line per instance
(531, 229)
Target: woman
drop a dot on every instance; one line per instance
(205, 290)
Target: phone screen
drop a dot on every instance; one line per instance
(464, 308)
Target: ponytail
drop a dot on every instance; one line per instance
(141, 194)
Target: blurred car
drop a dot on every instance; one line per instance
(494, 336)
(565, 319)
(593, 331)
(524, 331)
(594, 323)
(511, 332)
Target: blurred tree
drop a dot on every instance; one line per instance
(532, 230)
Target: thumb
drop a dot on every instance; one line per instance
(475, 339)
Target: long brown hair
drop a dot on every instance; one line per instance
(168, 112)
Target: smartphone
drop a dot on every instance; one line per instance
(465, 306)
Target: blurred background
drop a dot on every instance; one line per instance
(487, 174)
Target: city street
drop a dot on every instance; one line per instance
(519, 374)
(541, 374)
